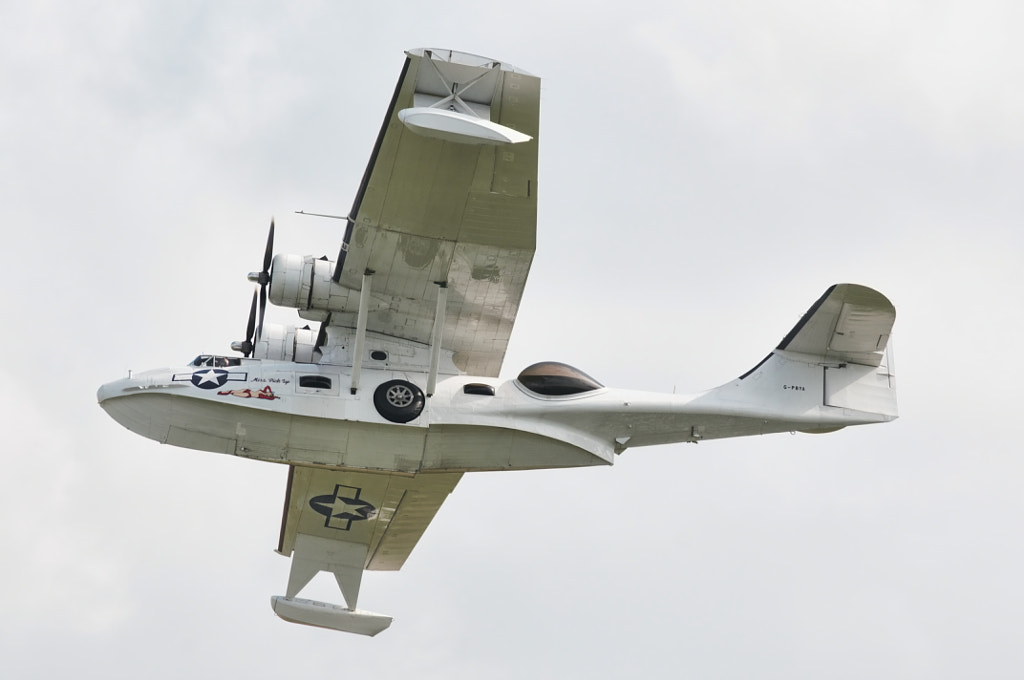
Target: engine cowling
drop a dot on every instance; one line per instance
(286, 343)
(304, 282)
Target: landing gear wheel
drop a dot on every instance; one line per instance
(398, 401)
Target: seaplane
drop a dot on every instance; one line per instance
(381, 409)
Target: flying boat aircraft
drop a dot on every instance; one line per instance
(380, 411)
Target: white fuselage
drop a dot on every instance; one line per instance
(306, 414)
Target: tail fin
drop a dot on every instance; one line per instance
(849, 323)
(835, 362)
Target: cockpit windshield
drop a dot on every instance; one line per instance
(551, 378)
(215, 361)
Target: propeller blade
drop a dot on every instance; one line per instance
(250, 327)
(268, 255)
(263, 310)
(321, 336)
(245, 346)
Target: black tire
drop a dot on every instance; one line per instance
(398, 401)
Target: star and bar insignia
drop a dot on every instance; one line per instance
(210, 378)
(342, 507)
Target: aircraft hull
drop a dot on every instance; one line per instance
(336, 430)
(269, 411)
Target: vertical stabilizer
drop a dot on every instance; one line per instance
(835, 362)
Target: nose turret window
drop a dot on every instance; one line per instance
(551, 378)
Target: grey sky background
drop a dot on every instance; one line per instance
(707, 170)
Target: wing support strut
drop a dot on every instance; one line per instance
(360, 343)
(346, 561)
(454, 98)
(343, 559)
(436, 335)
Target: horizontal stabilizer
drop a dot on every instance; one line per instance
(326, 615)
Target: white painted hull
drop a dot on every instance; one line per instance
(263, 413)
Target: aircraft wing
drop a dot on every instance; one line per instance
(447, 202)
(345, 522)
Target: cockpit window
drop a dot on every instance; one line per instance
(215, 361)
(552, 378)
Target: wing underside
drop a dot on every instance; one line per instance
(345, 522)
(439, 211)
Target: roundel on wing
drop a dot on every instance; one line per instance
(342, 507)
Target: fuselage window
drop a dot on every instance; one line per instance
(317, 382)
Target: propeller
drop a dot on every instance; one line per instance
(262, 278)
(247, 347)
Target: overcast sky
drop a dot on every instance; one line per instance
(706, 171)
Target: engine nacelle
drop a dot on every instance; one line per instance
(286, 343)
(304, 282)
